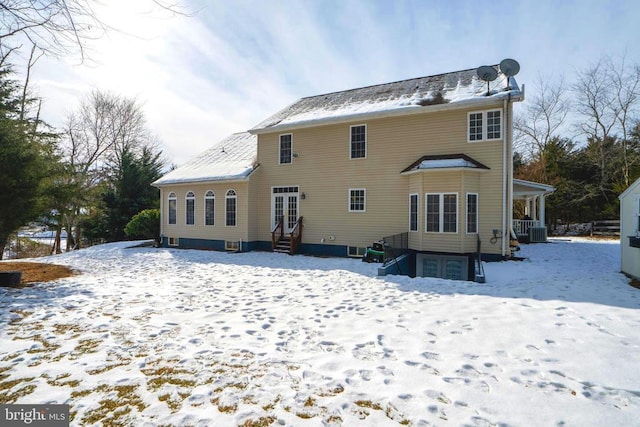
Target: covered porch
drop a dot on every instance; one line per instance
(531, 227)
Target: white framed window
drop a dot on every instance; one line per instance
(472, 213)
(209, 208)
(441, 212)
(190, 211)
(357, 200)
(173, 241)
(356, 251)
(358, 141)
(231, 245)
(413, 212)
(173, 211)
(286, 149)
(231, 205)
(484, 125)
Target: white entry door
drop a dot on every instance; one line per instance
(284, 202)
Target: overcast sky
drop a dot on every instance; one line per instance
(233, 62)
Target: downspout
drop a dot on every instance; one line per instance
(510, 176)
(505, 233)
(508, 179)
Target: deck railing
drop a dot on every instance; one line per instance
(296, 235)
(521, 226)
(274, 232)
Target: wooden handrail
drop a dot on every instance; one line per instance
(279, 225)
(296, 236)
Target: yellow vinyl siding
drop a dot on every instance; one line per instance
(219, 231)
(324, 172)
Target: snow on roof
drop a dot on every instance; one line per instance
(444, 162)
(233, 158)
(405, 95)
(522, 187)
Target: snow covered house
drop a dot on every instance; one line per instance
(630, 230)
(425, 163)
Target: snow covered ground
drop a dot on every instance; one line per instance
(150, 336)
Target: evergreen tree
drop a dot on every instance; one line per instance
(129, 191)
(24, 163)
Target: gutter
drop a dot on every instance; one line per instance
(206, 179)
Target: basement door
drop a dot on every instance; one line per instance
(284, 202)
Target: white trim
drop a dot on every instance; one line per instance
(172, 197)
(206, 197)
(485, 120)
(441, 212)
(364, 201)
(226, 212)
(186, 207)
(630, 189)
(366, 141)
(466, 216)
(280, 149)
(285, 203)
(231, 245)
(417, 212)
(359, 251)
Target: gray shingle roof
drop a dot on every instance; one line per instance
(406, 95)
(233, 158)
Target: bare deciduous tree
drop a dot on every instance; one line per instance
(95, 137)
(543, 116)
(608, 98)
(57, 27)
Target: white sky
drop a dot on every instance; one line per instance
(234, 63)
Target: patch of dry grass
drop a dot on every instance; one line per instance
(9, 396)
(33, 272)
(118, 402)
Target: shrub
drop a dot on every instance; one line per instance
(144, 225)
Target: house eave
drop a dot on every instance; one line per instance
(216, 180)
(512, 96)
(447, 169)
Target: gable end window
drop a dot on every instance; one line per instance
(286, 147)
(209, 205)
(484, 126)
(357, 199)
(358, 141)
(441, 213)
(173, 202)
(190, 202)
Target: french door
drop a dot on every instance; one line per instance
(284, 203)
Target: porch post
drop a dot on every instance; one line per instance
(534, 215)
(527, 207)
(542, 208)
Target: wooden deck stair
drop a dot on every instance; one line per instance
(283, 245)
(286, 243)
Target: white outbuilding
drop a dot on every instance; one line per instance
(630, 230)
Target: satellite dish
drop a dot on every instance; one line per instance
(487, 73)
(509, 67)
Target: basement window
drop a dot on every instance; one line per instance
(356, 251)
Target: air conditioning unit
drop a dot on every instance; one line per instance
(537, 234)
